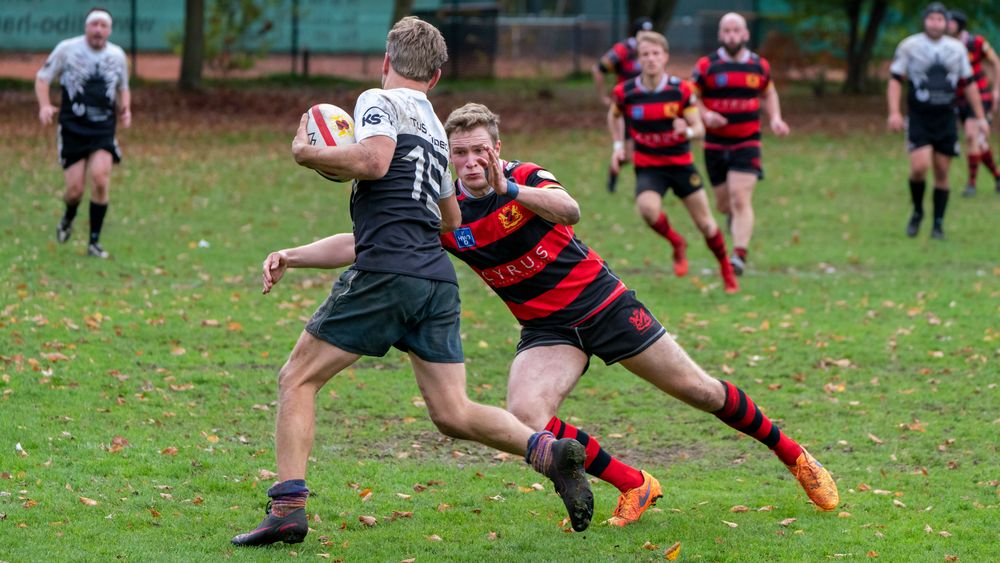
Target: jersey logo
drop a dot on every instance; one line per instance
(695, 180)
(374, 116)
(670, 109)
(464, 238)
(722, 79)
(753, 80)
(638, 112)
(640, 319)
(510, 217)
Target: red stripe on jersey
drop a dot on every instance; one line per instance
(737, 79)
(732, 147)
(643, 159)
(563, 294)
(732, 105)
(495, 226)
(738, 130)
(531, 263)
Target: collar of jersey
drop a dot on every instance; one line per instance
(725, 56)
(659, 87)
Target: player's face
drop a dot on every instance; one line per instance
(935, 24)
(97, 32)
(733, 34)
(953, 28)
(466, 147)
(652, 58)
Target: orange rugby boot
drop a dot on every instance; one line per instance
(633, 502)
(816, 481)
(680, 258)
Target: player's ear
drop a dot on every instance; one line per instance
(386, 65)
(434, 80)
(496, 149)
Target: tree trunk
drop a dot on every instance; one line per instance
(660, 11)
(859, 56)
(400, 10)
(193, 56)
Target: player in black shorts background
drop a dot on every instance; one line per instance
(93, 75)
(933, 64)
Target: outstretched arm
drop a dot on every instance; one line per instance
(772, 105)
(331, 252)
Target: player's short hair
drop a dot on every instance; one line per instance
(654, 37)
(416, 49)
(959, 17)
(470, 116)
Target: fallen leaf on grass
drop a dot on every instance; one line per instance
(367, 520)
(739, 508)
(767, 508)
(951, 558)
(492, 536)
(154, 512)
(786, 521)
(650, 546)
(944, 534)
(873, 554)
(178, 351)
(397, 514)
(266, 475)
(434, 537)
(404, 496)
(844, 515)
(897, 502)
(212, 323)
(673, 552)
(169, 451)
(366, 494)
(928, 529)
(875, 438)
(443, 506)
(88, 501)
(730, 524)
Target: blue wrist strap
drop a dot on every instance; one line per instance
(512, 189)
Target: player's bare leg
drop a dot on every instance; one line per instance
(698, 207)
(920, 163)
(540, 379)
(740, 186)
(649, 204)
(443, 387)
(310, 365)
(75, 178)
(722, 204)
(669, 368)
(99, 165)
(942, 163)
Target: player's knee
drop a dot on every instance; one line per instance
(530, 415)
(452, 423)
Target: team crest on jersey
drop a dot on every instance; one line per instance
(753, 80)
(464, 237)
(510, 217)
(670, 109)
(638, 112)
(722, 79)
(640, 319)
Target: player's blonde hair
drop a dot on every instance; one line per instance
(416, 49)
(653, 37)
(470, 116)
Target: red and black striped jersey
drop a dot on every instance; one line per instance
(978, 48)
(732, 87)
(622, 59)
(544, 274)
(649, 119)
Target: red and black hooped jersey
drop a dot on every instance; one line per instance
(545, 275)
(978, 47)
(649, 120)
(732, 87)
(622, 59)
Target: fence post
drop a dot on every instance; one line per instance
(295, 35)
(577, 43)
(135, 49)
(305, 63)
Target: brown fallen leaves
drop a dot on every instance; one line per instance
(88, 501)
(673, 552)
(368, 520)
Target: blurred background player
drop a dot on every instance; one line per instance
(977, 145)
(623, 60)
(658, 113)
(93, 76)
(933, 63)
(401, 292)
(729, 84)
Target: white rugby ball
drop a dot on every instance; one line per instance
(330, 126)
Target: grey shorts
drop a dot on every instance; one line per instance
(369, 312)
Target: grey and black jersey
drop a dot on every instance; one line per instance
(933, 69)
(396, 218)
(90, 81)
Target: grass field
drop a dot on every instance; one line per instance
(142, 388)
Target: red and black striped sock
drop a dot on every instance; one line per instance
(742, 414)
(741, 252)
(599, 463)
(717, 244)
(987, 159)
(662, 226)
(973, 168)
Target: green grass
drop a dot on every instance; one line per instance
(170, 345)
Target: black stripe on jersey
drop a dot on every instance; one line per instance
(718, 66)
(720, 140)
(742, 117)
(727, 93)
(672, 150)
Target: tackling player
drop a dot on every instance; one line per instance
(730, 83)
(933, 64)
(658, 112)
(401, 291)
(516, 234)
(977, 145)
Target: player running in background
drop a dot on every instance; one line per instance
(517, 235)
(93, 74)
(730, 83)
(933, 63)
(658, 112)
(977, 145)
(401, 291)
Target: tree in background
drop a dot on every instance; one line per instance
(660, 11)
(193, 53)
(234, 37)
(401, 9)
(873, 28)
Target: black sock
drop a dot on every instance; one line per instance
(97, 212)
(940, 204)
(917, 188)
(70, 213)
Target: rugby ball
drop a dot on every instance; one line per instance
(330, 126)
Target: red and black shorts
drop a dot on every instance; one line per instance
(719, 162)
(683, 180)
(624, 329)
